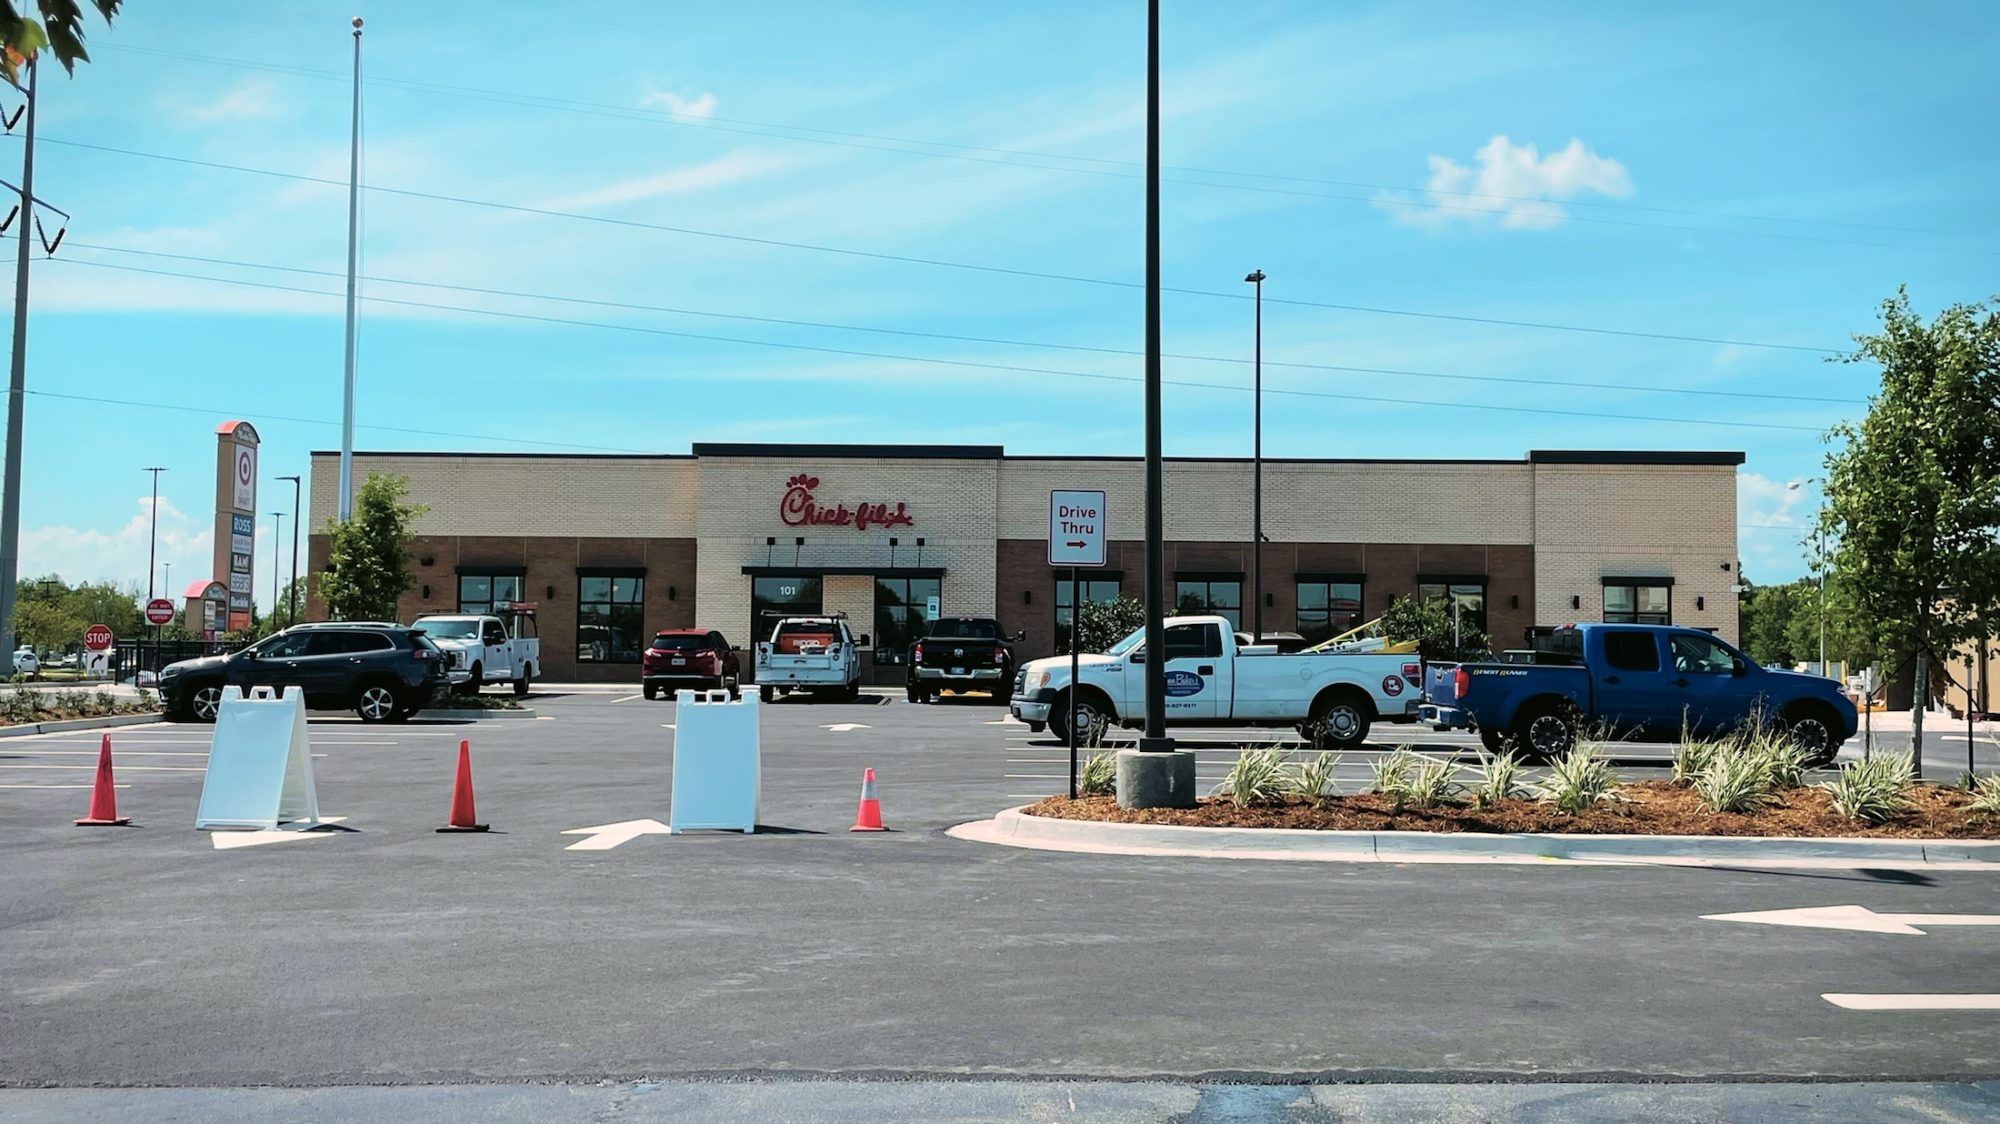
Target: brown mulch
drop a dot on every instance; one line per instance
(1649, 808)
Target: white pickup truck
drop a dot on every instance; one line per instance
(481, 651)
(1331, 698)
(817, 655)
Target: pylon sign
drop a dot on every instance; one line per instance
(236, 517)
(259, 763)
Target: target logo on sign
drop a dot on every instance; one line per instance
(245, 479)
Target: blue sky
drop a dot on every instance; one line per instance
(1761, 174)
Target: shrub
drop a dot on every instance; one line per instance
(1258, 777)
(1498, 779)
(103, 702)
(1316, 780)
(20, 706)
(1431, 783)
(72, 700)
(148, 701)
(1579, 780)
(1693, 758)
(1391, 776)
(1783, 762)
(1872, 791)
(1734, 781)
(1098, 775)
(1985, 800)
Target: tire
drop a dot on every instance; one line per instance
(1091, 719)
(204, 701)
(850, 693)
(527, 677)
(1545, 731)
(767, 694)
(651, 691)
(403, 713)
(376, 702)
(1811, 728)
(1495, 741)
(912, 693)
(734, 688)
(1340, 720)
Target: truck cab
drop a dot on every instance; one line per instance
(962, 654)
(816, 655)
(483, 648)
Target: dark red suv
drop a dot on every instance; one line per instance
(694, 658)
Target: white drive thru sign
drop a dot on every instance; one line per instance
(1076, 528)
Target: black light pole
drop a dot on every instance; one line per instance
(1155, 739)
(278, 517)
(152, 548)
(1257, 471)
(292, 591)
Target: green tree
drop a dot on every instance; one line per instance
(1764, 622)
(59, 28)
(368, 565)
(1429, 622)
(1913, 490)
(1100, 624)
(46, 627)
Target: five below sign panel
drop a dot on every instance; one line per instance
(1076, 528)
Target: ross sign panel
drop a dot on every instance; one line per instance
(97, 637)
(1076, 528)
(159, 611)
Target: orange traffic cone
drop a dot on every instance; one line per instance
(869, 817)
(103, 801)
(463, 818)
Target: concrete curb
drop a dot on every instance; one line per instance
(1015, 828)
(69, 724)
(471, 715)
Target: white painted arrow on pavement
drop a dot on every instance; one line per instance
(1856, 918)
(606, 836)
(227, 840)
(844, 727)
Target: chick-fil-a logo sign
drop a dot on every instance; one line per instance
(800, 509)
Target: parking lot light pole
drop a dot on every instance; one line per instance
(292, 590)
(277, 532)
(152, 549)
(1257, 464)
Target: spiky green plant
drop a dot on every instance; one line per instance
(1098, 775)
(1579, 780)
(1258, 777)
(1390, 776)
(1498, 779)
(1873, 790)
(1316, 781)
(1985, 802)
(1735, 781)
(1431, 782)
(1693, 758)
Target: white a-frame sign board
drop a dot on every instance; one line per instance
(259, 763)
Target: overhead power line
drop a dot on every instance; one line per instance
(966, 363)
(956, 338)
(905, 259)
(1100, 165)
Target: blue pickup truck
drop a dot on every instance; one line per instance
(1639, 682)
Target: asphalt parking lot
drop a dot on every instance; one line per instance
(383, 953)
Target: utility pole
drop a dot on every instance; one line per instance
(353, 239)
(277, 532)
(152, 550)
(1257, 470)
(292, 591)
(17, 395)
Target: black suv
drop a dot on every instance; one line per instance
(385, 672)
(962, 654)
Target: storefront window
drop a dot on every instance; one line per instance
(1469, 596)
(1223, 597)
(610, 619)
(901, 615)
(1638, 603)
(1327, 609)
(772, 599)
(1094, 590)
(478, 593)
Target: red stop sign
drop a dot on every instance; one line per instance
(97, 637)
(159, 611)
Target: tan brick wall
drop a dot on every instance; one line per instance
(1303, 502)
(853, 594)
(597, 497)
(950, 503)
(1598, 521)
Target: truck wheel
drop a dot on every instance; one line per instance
(1495, 741)
(1090, 720)
(477, 681)
(1545, 731)
(734, 688)
(767, 694)
(651, 690)
(850, 693)
(912, 693)
(527, 677)
(1340, 720)
(1811, 727)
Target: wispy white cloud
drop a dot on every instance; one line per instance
(1511, 185)
(731, 168)
(701, 105)
(254, 98)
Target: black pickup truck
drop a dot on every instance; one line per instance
(962, 654)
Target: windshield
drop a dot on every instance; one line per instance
(447, 628)
(1137, 637)
(679, 643)
(966, 630)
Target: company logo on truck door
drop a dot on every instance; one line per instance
(800, 509)
(1181, 684)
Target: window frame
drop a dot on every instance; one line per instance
(1652, 648)
(632, 608)
(1458, 587)
(760, 631)
(1327, 583)
(1635, 615)
(484, 608)
(893, 637)
(1208, 583)
(1063, 610)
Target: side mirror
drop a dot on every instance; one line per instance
(1139, 655)
(1020, 636)
(1737, 667)
(863, 642)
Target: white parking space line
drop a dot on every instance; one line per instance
(1969, 1002)
(628, 698)
(12, 786)
(124, 768)
(116, 752)
(1035, 776)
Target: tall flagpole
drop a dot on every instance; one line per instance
(353, 234)
(17, 381)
